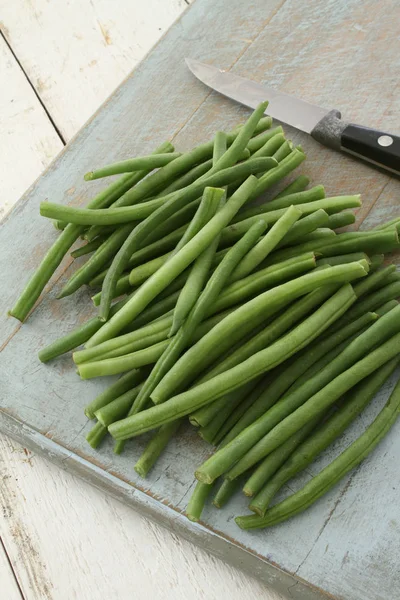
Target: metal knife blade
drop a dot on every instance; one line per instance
(377, 147)
(286, 108)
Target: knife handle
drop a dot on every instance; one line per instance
(377, 147)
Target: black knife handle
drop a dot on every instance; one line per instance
(380, 148)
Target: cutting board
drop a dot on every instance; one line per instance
(339, 54)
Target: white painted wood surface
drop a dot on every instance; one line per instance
(63, 538)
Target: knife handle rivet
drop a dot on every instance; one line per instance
(385, 140)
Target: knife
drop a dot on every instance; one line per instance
(324, 125)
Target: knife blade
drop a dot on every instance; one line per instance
(325, 125)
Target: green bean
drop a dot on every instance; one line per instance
(371, 302)
(102, 255)
(138, 335)
(188, 178)
(376, 261)
(270, 147)
(338, 468)
(283, 151)
(318, 234)
(96, 435)
(197, 501)
(201, 267)
(325, 360)
(209, 431)
(142, 163)
(70, 341)
(355, 401)
(374, 281)
(156, 248)
(341, 220)
(225, 492)
(260, 140)
(240, 410)
(123, 287)
(232, 232)
(120, 364)
(289, 406)
(158, 180)
(312, 195)
(244, 319)
(285, 167)
(273, 330)
(387, 224)
(370, 242)
(205, 415)
(76, 337)
(387, 307)
(124, 383)
(103, 216)
(156, 310)
(298, 185)
(89, 247)
(154, 448)
(271, 463)
(261, 362)
(206, 300)
(175, 202)
(117, 408)
(128, 348)
(267, 243)
(343, 259)
(178, 262)
(264, 279)
(143, 271)
(305, 226)
(196, 279)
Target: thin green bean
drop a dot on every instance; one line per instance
(197, 501)
(258, 141)
(346, 461)
(124, 383)
(225, 492)
(175, 202)
(117, 408)
(283, 151)
(89, 247)
(341, 220)
(102, 255)
(244, 319)
(312, 195)
(265, 487)
(288, 407)
(206, 300)
(142, 163)
(96, 435)
(343, 259)
(298, 185)
(154, 448)
(261, 362)
(267, 243)
(271, 463)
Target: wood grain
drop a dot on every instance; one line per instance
(108, 550)
(39, 500)
(28, 140)
(310, 61)
(9, 586)
(75, 53)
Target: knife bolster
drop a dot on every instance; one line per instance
(329, 130)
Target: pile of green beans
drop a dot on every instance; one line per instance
(264, 325)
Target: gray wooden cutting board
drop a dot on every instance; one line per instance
(340, 54)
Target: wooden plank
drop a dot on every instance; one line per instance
(328, 26)
(76, 526)
(28, 140)
(9, 586)
(38, 497)
(76, 53)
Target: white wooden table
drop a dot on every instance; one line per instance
(60, 538)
